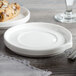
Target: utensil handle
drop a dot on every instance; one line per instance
(72, 55)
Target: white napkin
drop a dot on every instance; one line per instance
(10, 66)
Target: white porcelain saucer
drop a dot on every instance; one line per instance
(38, 39)
(23, 17)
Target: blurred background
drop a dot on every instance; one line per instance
(41, 4)
(47, 7)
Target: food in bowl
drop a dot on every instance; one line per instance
(8, 11)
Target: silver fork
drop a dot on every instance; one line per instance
(72, 54)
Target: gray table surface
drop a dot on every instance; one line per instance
(44, 11)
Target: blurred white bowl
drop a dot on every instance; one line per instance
(23, 17)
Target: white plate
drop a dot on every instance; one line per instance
(23, 17)
(38, 39)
